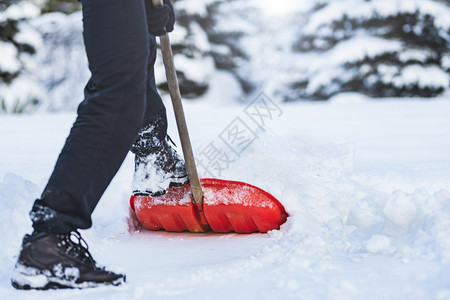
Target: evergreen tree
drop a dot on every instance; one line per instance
(65, 6)
(202, 44)
(199, 48)
(19, 92)
(379, 48)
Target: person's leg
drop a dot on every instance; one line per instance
(116, 39)
(54, 256)
(154, 129)
(157, 165)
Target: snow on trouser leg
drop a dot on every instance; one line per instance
(56, 261)
(158, 170)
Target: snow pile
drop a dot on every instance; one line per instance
(373, 225)
(16, 196)
(327, 200)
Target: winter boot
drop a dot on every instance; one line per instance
(159, 170)
(54, 261)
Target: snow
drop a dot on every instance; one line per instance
(22, 10)
(265, 32)
(150, 167)
(360, 47)
(195, 69)
(423, 76)
(61, 61)
(64, 276)
(193, 6)
(28, 35)
(199, 38)
(22, 95)
(357, 9)
(347, 51)
(30, 276)
(8, 59)
(365, 183)
(414, 54)
(276, 67)
(379, 244)
(279, 9)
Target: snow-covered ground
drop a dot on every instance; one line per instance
(366, 184)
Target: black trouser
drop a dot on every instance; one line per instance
(120, 99)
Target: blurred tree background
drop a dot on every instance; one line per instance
(394, 49)
(292, 50)
(65, 6)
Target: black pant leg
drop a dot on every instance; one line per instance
(109, 118)
(154, 128)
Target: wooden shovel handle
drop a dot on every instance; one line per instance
(175, 95)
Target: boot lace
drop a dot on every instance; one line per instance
(169, 139)
(77, 247)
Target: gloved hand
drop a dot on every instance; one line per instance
(161, 19)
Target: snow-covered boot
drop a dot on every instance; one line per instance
(159, 170)
(53, 261)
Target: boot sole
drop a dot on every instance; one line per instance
(33, 279)
(59, 286)
(174, 182)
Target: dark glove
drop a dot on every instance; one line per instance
(161, 19)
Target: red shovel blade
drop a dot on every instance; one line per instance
(240, 207)
(173, 211)
(228, 206)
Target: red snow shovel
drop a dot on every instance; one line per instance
(206, 204)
